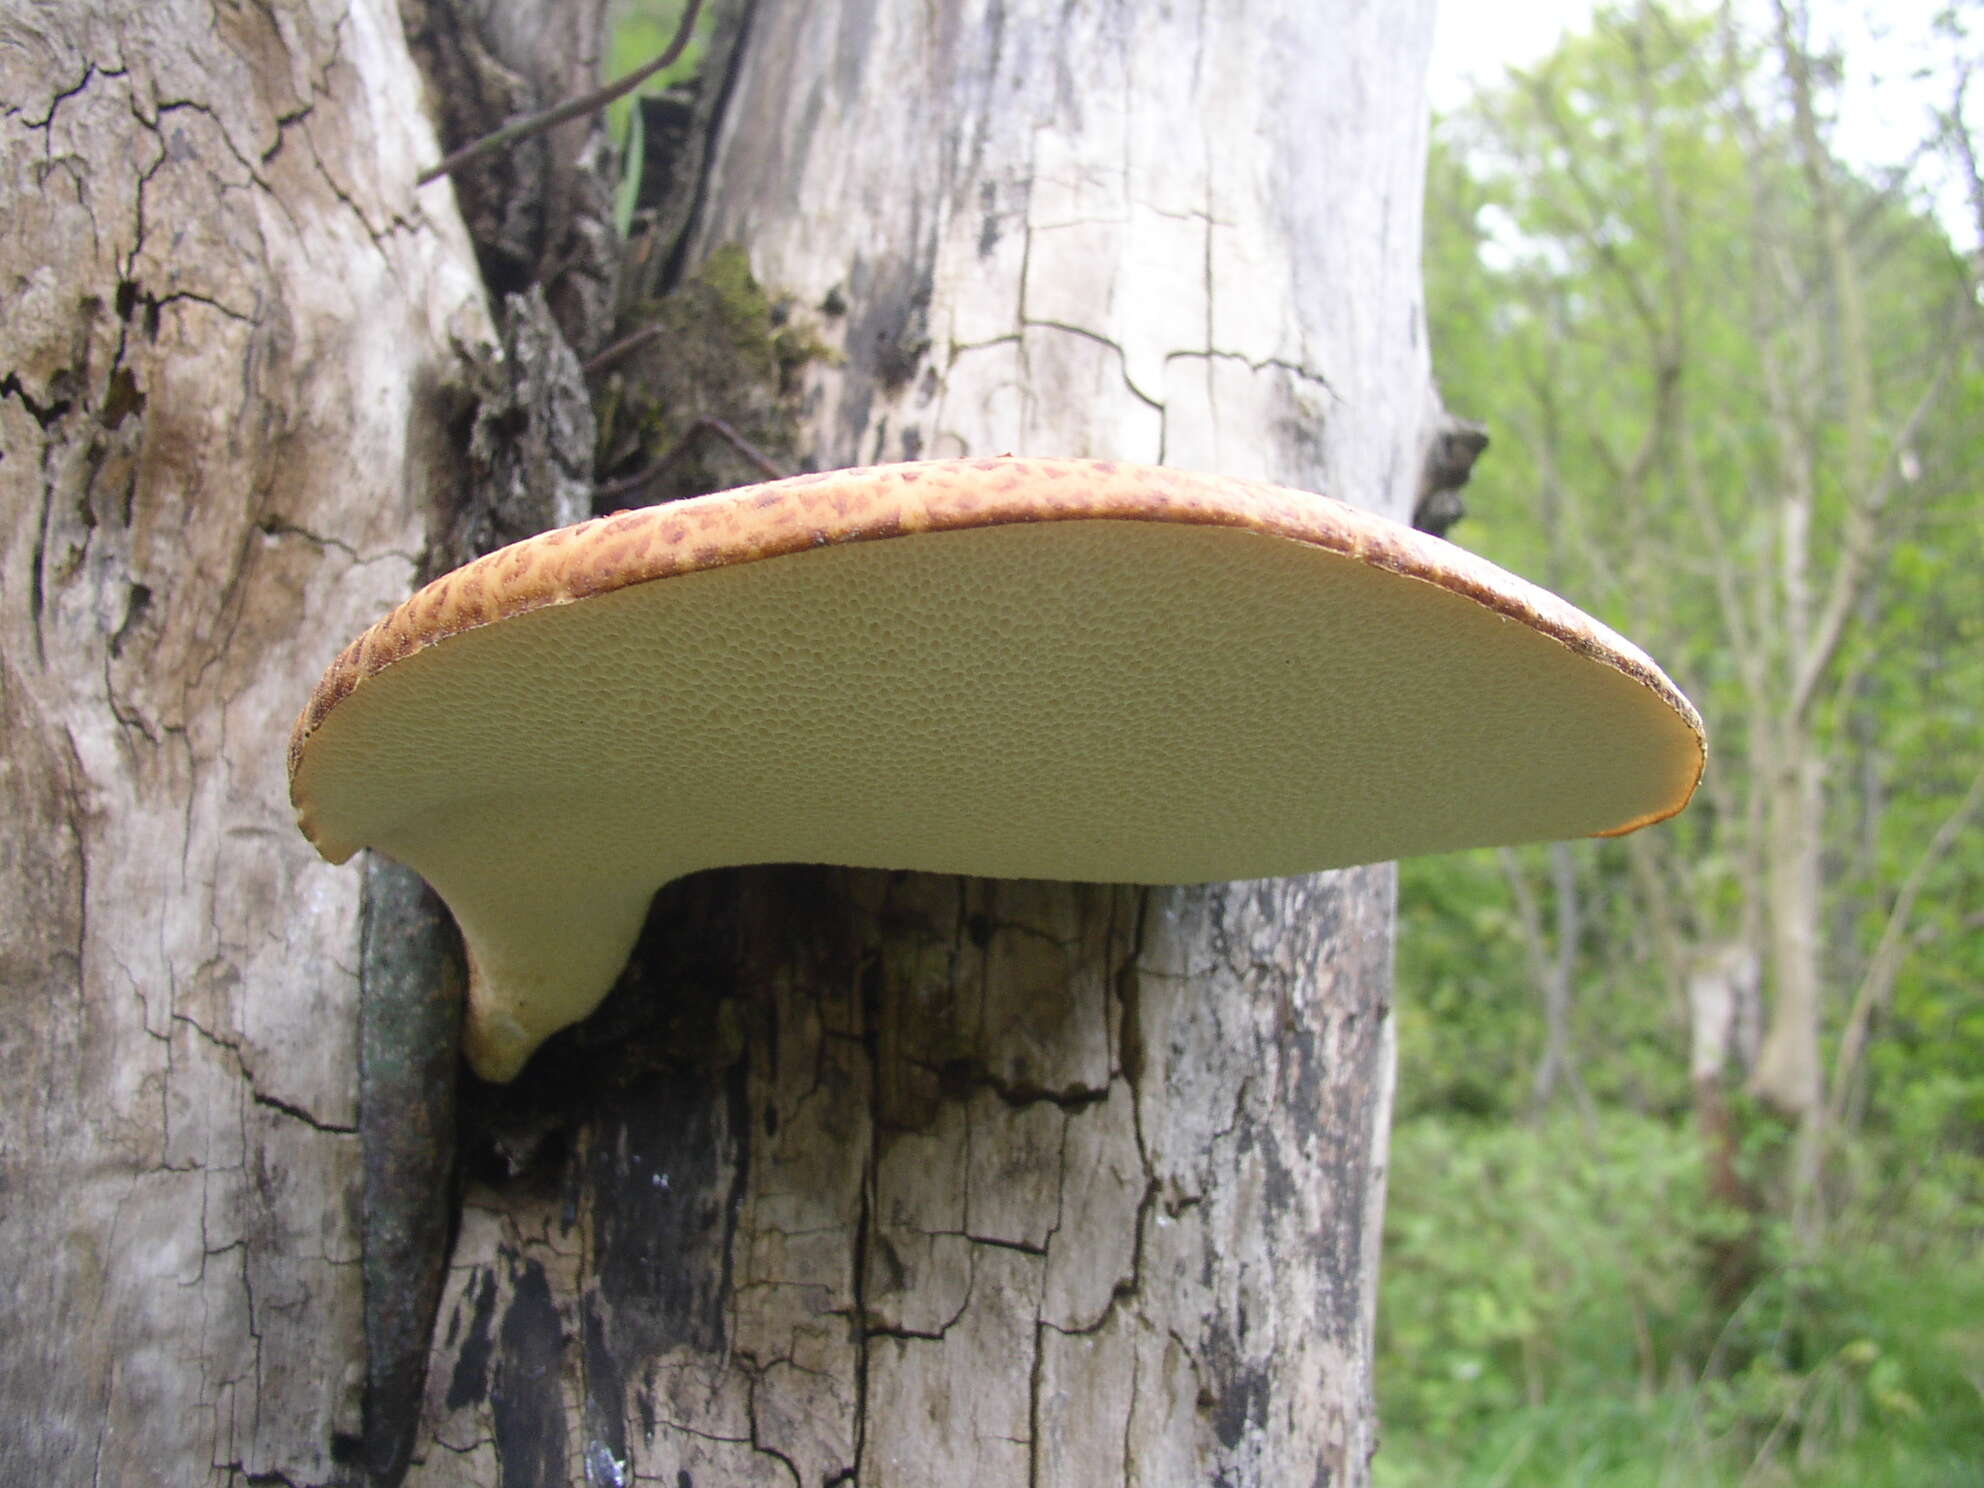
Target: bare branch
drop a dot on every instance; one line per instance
(1966, 150)
(571, 108)
(1863, 547)
(1595, 205)
(1893, 947)
(626, 346)
(641, 479)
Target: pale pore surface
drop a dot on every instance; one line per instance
(1095, 700)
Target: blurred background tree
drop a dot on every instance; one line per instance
(1688, 1180)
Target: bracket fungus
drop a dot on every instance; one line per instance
(1062, 669)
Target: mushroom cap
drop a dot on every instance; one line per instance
(1032, 668)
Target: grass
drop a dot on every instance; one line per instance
(1543, 1322)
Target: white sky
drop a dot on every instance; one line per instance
(1475, 40)
(1885, 111)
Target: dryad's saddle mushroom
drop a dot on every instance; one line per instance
(1019, 668)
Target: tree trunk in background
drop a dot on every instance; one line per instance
(1790, 1071)
(1725, 1016)
(211, 472)
(1552, 957)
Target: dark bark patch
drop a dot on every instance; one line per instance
(888, 329)
(470, 1381)
(1236, 1396)
(669, 1153)
(988, 227)
(606, 1419)
(526, 1409)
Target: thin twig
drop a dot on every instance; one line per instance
(571, 108)
(1889, 954)
(625, 346)
(627, 485)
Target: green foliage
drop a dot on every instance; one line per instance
(1614, 340)
(1544, 1321)
(1468, 1016)
(1627, 282)
(641, 30)
(1519, 1258)
(1468, 1004)
(633, 159)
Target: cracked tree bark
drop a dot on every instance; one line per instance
(228, 323)
(893, 1180)
(859, 1177)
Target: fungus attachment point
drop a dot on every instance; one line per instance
(1017, 668)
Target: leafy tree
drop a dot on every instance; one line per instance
(1735, 407)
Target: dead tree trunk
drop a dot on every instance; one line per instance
(860, 1177)
(901, 1180)
(229, 326)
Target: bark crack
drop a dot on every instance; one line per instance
(1130, 1413)
(288, 1108)
(128, 718)
(395, 222)
(1298, 370)
(1022, 1246)
(869, 1013)
(958, 1079)
(708, 1436)
(320, 88)
(871, 1329)
(43, 414)
(758, 1443)
(90, 72)
(257, 1095)
(1034, 1371)
(37, 564)
(1122, 359)
(197, 298)
(281, 527)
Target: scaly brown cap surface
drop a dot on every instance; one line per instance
(1012, 667)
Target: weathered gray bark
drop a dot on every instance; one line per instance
(909, 1180)
(927, 1180)
(861, 1177)
(228, 325)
